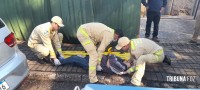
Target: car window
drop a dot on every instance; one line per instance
(1, 24)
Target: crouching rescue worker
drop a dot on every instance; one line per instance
(45, 38)
(142, 51)
(89, 35)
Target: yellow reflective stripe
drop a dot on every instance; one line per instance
(137, 41)
(113, 31)
(59, 50)
(159, 52)
(99, 59)
(83, 32)
(157, 58)
(136, 68)
(92, 67)
(132, 45)
(86, 42)
(131, 69)
(52, 54)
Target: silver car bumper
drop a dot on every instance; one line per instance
(14, 71)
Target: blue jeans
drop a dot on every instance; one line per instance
(79, 61)
(154, 17)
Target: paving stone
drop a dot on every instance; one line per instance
(188, 70)
(195, 65)
(64, 68)
(191, 86)
(154, 77)
(198, 80)
(166, 85)
(197, 71)
(81, 70)
(32, 62)
(170, 70)
(69, 68)
(156, 69)
(45, 68)
(74, 69)
(49, 68)
(54, 68)
(191, 73)
(147, 75)
(85, 78)
(59, 68)
(40, 68)
(159, 76)
(182, 71)
(155, 84)
(164, 75)
(177, 71)
(35, 67)
(183, 65)
(30, 66)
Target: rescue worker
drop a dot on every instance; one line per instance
(142, 51)
(45, 38)
(89, 35)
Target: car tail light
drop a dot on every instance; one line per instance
(10, 40)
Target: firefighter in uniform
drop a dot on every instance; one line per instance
(45, 38)
(142, 51)
(89, 35)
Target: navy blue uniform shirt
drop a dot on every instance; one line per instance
(154, 5)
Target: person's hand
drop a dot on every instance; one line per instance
(122, 73)
(99, 68)
(56, 62)
(61, 56)
(147, 7)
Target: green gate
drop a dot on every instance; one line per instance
(22, 16)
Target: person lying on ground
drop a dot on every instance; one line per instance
(110, 64)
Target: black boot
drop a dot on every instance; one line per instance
(167, 60)
(155, 39)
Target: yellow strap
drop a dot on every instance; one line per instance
(109, 50)
(83, 32)
(86, 42)
(92, 67)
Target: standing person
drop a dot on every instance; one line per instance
(44, 36)
(142, 51)
(89, 35)
(196, 28)
(154, 9)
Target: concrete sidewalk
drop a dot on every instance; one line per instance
(174, 35)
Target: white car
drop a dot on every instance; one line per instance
(13, 63)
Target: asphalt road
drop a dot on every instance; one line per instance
(48, 85)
